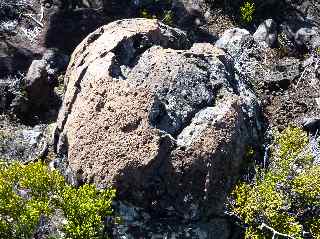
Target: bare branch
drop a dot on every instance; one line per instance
(31, 17)
(302, 75)
(275, 233)
(41, 13)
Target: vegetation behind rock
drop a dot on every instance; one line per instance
(283, 200)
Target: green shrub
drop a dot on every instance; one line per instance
(246, 12)
(285, 197)
(25, 193)
(85, 209)
(28, 192)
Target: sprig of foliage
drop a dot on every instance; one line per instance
(246, 12)
(158, 9)
(284, 196)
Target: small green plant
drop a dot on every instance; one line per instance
(247, 11)
(168, 18)
(283, 200)
(28, 192)
(158, 9)
(25, 195)
(85, 209)
(146, 14)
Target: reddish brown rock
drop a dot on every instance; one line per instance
(165, 124)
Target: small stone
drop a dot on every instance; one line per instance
(311, 124)
(318, 102)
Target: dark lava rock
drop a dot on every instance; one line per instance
(43, 76)
(66, 29)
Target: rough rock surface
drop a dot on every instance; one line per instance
(233, 41)
(165, 124)
(288, 87)
(267, 33)
(136, 223)
(22, 143)
(308, 37)
(42, 76)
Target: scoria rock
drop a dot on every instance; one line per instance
(166, 124)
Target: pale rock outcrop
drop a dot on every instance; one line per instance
(166, 124)
(234, 41)
(266, 33)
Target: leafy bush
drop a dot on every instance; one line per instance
(85, 209)
(25, 193)
(28, 192)
(246, 12)
(285, 199)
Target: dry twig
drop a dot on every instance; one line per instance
(275, 233)
(34, 19)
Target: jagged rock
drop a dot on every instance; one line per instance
(234, 41)
(267, 33)
(65, 30)
(20, 142)
(308, 37)
(136, 223)
(300, 33)
(311, 125)
(42, 76)
(286, 87)
(165, 124)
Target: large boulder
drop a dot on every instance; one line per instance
(166, 124)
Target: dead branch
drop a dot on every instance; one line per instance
(41, 13)
(34, 19)
(302, 75)
(275, 233)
